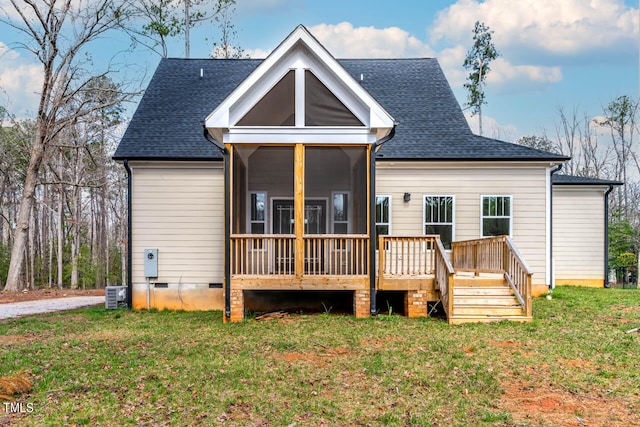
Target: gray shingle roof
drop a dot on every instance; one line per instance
(431, 126)
(581, 180)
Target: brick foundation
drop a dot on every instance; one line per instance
(415, 304)
(361, 304)
(237, 306)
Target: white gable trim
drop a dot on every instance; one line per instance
(299, 51)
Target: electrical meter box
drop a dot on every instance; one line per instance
(150, 263)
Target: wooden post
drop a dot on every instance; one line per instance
(450, 282)
(299, 208)
(475, 259)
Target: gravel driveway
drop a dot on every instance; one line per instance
(24, 308)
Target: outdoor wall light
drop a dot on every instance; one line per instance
(407, 197)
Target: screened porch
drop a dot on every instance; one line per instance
(300, 216)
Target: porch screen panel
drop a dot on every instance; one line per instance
(276, 108)
(322, 107)
(239, 198)
(338, 175)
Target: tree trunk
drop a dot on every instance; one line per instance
(14, 277)
(32, 249)
(75, 238)
(60, 237)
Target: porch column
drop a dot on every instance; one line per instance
(298, 178)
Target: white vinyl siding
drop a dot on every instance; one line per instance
(527, 185)
(578, 233)
(180, 211)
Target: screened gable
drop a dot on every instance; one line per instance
(276, 108)
(322, 107)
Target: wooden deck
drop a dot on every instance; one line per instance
(485, 279)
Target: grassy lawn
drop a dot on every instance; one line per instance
(573, 365)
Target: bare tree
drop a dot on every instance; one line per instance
(226, 47)
(166, 19)
(57, 32)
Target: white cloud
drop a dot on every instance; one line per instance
(344, 40)
(503, 71)
(504, 75)
(257, 53)
(491, 128)
(19, 82)
(544, 27)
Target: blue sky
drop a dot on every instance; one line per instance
(575, 54)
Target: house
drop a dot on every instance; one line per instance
(580, 220)
(303, 173)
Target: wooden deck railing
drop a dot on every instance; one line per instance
(324, 254)
(417, 257)
(406, 256)
(518, 275)
(496, 255)
(480, 255)
(336, 254)
(444, 278)
(262, 254)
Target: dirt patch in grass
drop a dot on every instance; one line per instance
(505, 343)
(317, 358)
(9, 339)
(39, 294)
(544, 404)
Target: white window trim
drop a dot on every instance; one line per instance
(453, 215)
(482, 197)
(390, 213)
(349, 211)
(250, 221)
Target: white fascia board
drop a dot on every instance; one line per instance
(348, 80)
(299, 135)
(219, 118)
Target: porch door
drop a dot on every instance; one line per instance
(315, 213)
(315, 222)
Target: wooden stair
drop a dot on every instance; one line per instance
(484, 299)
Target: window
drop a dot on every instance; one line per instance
(341, 212)
(258, 216)
(438, 218)
(496, 216)
(383, 215)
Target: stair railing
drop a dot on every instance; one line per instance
(518, 275)
(444, 273)
(496, 255)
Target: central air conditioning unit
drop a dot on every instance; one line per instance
(115, 296)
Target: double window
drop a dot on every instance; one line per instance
(496, 216)
(438, 217)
